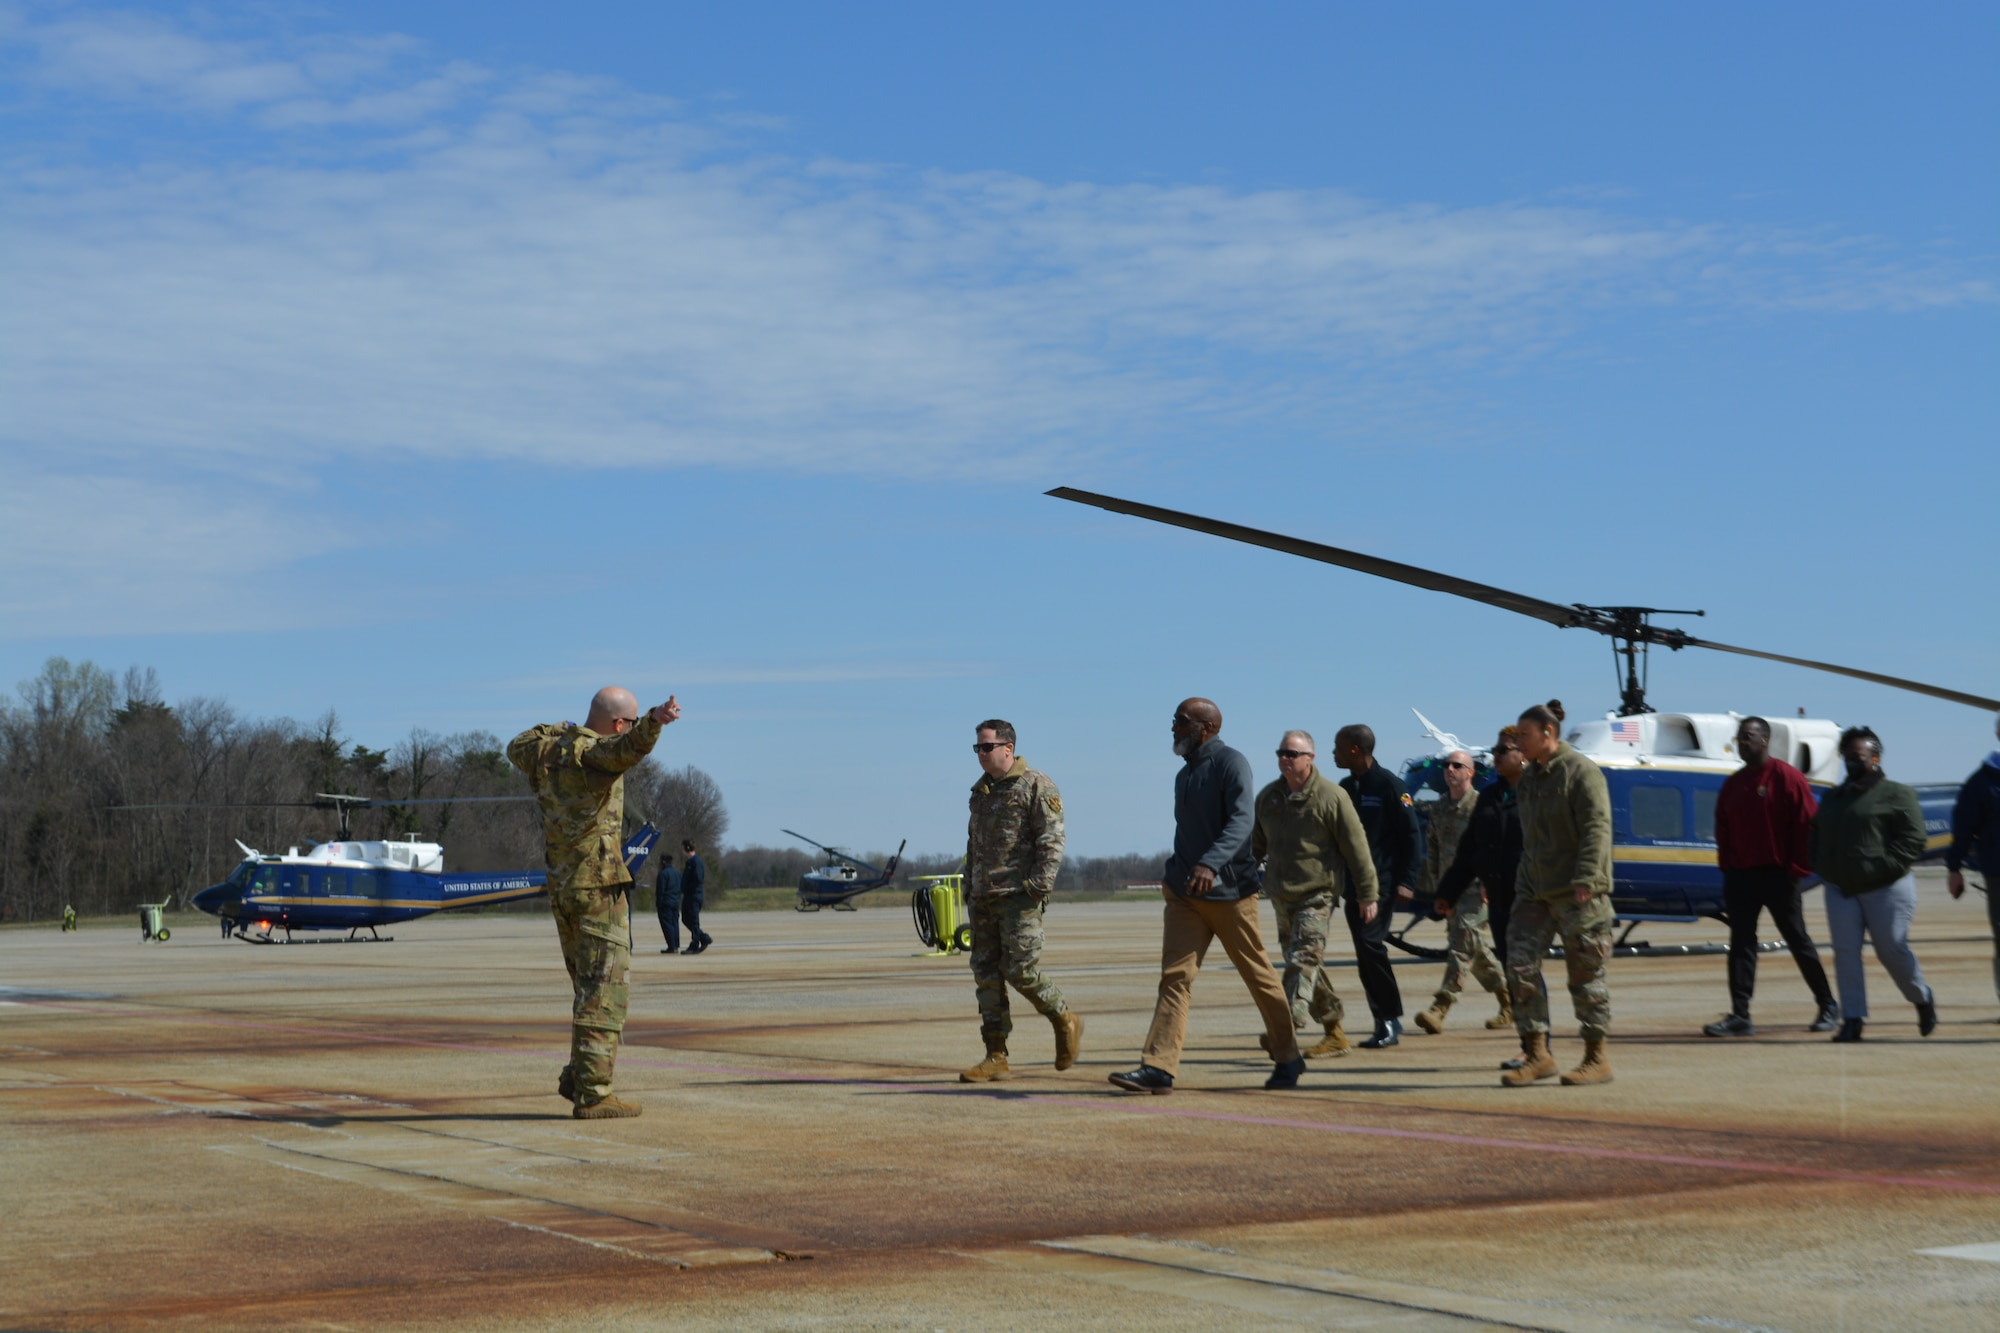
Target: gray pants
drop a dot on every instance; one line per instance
(1885, 915)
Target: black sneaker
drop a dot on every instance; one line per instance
(1730, 1025)
(1927, 1018)
(1388, 1032)
(1285, 1075)
(1827, 1019)
(1850, 1030)
(1146, 1079)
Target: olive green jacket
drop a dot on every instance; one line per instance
(1311, 840)
(578, 776)
(1867, 839)
(1565, 827)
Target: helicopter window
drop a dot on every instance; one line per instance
(1704, 814)
(265, 879)
(336, 882)
(1656, 813)
(1674, 735)
(365, 883)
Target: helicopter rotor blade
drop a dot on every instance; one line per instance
(220, 805)
(836, 855)
(1579, 616)
(1894, 682)
(1552, 612)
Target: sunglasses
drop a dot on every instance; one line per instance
(1456, 764)
(1295, 754)
(988, 747)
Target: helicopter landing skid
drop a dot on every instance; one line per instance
(1623, 947)
(354, 936)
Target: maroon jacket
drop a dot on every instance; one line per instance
(1763, 817)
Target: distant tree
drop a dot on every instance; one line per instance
(683, 803)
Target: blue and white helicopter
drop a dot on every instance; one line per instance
(362, 885)
(1664, 769)
(841, 880)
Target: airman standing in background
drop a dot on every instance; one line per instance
(1563, 888)
(578, 777)
(1465, 915)
(1314, 849)
(1013, 849)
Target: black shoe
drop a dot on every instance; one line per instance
(1850, 1030)
(1730, 1025)
(566, 1085)
(1927, 1018)
(1388, 1032)
(1827, 1019)
(1147, 1079)
(670, 951)
(1285, 1075)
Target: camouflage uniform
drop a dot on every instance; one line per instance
(578, 778)
(1013, 848)
(1565, 842)
(1313, 849)
(1464, 927)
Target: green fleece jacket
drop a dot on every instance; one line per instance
(1311, 840)
(1867, 838)
(1565, 827)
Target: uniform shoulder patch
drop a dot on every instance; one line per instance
(1055, 805)
(1407, 801)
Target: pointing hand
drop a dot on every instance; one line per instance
(667, 712)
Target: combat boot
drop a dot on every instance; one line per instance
(1505, 1018)
(610, 1108)
(1536, 1062)
(1594, 1069)
(990, 1070)
(1069, 1037)
(1333, 1045)
(1431, 1020)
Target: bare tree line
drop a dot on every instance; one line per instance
(110, 797)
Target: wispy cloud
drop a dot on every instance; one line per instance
(435, 259)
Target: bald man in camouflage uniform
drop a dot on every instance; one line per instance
(578, 776)
(1465, 918)
(1013, 849)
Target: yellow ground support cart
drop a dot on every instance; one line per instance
(937, 905)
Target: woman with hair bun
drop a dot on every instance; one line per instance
(1563, 888)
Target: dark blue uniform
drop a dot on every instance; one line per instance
(1390, 820)
(667, 902)
(693, 876)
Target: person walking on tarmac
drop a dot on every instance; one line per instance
(1013, 851)
(1763, 842)
(1390, 818)
(1975, 835)
(1314, 852)
(1867, 837)
(1563, 888)
(577, 774)
(1465, 913)
(1210, 887)
(693, 876)
(667, 902)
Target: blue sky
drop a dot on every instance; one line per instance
(439, 364)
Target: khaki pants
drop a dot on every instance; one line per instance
(1191, 923)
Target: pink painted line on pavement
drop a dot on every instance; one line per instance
(1127, 1105)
